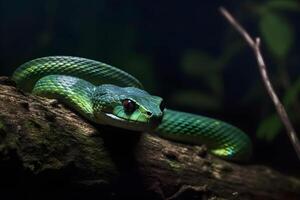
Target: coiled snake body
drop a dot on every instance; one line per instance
(110, 96)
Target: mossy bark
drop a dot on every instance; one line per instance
(47, 149)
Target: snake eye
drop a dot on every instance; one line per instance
(162, 106)
(129, 105)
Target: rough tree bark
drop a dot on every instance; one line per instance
(48, 151)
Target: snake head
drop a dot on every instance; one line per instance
(127, 107)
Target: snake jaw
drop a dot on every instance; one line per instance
(113, 120)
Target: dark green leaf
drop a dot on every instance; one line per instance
(277, 33)
(292, 94)
(269, 128)
(285, 5)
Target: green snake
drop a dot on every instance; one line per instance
(107, 95)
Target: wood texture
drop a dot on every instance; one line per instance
(48, 150)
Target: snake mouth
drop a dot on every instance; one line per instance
(113, 120)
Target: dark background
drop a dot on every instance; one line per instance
(183, 51)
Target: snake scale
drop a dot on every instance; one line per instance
(107, 95)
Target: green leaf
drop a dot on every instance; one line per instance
(269, 128)
(284, 5)
(292, 94)
(277, 33)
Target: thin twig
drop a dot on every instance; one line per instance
(255, 45)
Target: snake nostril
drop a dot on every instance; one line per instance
(149, 113)
(155, 121)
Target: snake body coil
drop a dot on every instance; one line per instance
(110, 96)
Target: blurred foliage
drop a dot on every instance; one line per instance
(276, 30)
(196, 99)
(271, 125)
(185, 51)
(279, 35)
(202, 66)
(282, 5)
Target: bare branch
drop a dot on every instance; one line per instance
(255, 45)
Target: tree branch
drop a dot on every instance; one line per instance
(255, 45)
(47, 150)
